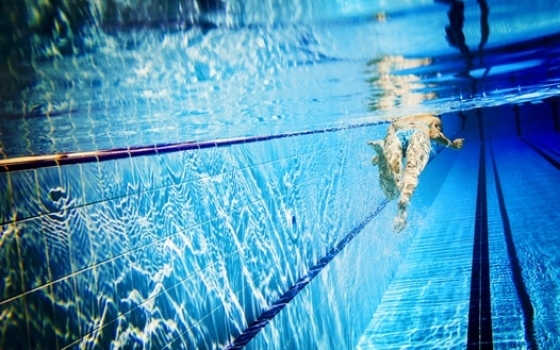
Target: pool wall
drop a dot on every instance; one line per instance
(187, 249)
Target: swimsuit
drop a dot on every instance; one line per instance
(404, 136)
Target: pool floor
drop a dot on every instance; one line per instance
(437, 297)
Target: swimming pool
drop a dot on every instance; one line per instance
(196, 175)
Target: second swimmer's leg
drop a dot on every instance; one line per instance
(417, 156)
(386, 176)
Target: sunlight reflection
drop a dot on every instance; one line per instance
(391, 89)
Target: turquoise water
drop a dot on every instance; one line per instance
(196, 175)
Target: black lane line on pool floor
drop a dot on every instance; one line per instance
(480, 307)
(552, 153)
(244, 338)
(554, 106)
(543, 154)
(516, 270)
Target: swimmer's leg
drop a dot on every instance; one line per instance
(417, 156)
(393, 152)
(386, 177)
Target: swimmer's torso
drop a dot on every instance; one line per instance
(418, 122)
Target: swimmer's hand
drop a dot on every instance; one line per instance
(457, 143)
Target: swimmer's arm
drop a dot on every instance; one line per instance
(437, 135)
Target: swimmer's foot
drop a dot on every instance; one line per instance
(400, 220)
(378, 147)
(399, 224)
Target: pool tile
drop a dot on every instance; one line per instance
(14, 333)
(235, 316)
(148, 171)
(97, 219)
(169, 221)
(130, 223)
(11, 276)
(224, 236)
(65, 306)
(220, 326)
(124, 284)
(162, 310)
(172, 258)
(217, 194)
(41, 320)
(260, 341)
(92, 181)
(204, 208)
(79, 239)
(184, 205)
(107, 336)
(216, 160)
(114, 185)
(105, 281)
(178, 312)
(240, 221)
(196, 308)
(154, 209)
(193, 165)
(210, 245)
(71, 179)
(56, 235)
(139, 318)
(25, 194)
(207, 332)
(241, 156)
(33, 253)
(281, 148)
(157, 260)
(173, 171)
(120, 214)
(144, 266)
(53, 195)
(7, 211)
(130, 179)
(182, 254)
(142, 174)
(258, 182)
(252, 301)
(197, 338)
(87, 300)
(254, 153)
(177, 344)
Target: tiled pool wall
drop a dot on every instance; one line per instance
(186, 249)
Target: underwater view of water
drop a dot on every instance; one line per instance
(261, 68)
(194, 174)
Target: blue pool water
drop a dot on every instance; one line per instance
(194, 174)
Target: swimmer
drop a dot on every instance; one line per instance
(412, 138)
